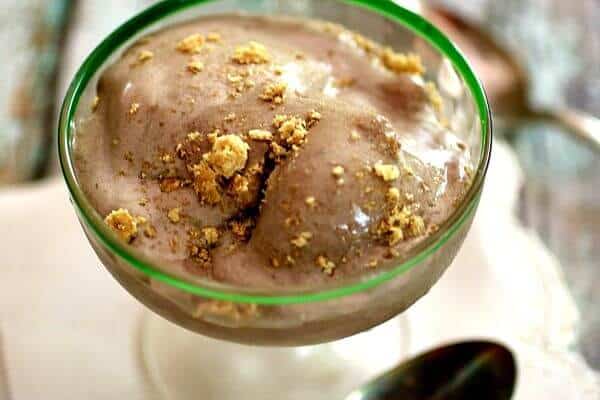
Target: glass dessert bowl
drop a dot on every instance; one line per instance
(298, 315)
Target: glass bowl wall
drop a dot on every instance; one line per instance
(291, 317)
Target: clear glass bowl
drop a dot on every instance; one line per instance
(291, 317)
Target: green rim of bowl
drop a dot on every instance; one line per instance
(415, 23)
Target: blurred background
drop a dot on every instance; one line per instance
(557, 43)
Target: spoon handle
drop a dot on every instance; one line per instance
(583, 126)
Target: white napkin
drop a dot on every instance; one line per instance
(69, 330)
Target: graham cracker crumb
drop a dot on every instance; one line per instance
(211, 235)
(260, 135)
(400, 224)
(167, 158)
(145, 55)
(251, 53)
(228, 155)
(310, 201)
(242, 229)
(134, 108)
(274, 92)
(354, 135)
(169, 184)
(373, 263)
(291, 129)
(434, 96)
(191, 44)
(388, 172)
(205, 183)
(150, 231)
(229, 117)
(213, 37)
(95, 103)
(402, 63)
(174, 215)
(362, 42)
(239, 184)
(274, 262)
(312, 118)
(193, 136)
(123, 223)
(325, 264)
(337, 171)
(173, 244)
(302, 239)
(143, 202)
(195, 66)
(393, 195)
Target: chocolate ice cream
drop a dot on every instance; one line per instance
(269, 152)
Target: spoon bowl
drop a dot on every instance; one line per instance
(465, 370)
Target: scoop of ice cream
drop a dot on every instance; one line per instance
(262, 151)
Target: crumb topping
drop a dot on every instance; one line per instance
(228, 155)
(260, 135)
(274, 92)
(291, 129)
(213, 37)
(326, 265)
(191, 44)
(195, 66)
(310, 201)
(302, 239)
(145, 55)
(95, 103)
(251, 53)
(337, 171)
(205, 183)
(133, 109)
(388, 172)
(211, 235)
(434, 96)
(123, 223)
(174, 215)
(400, 224)
(402, 63)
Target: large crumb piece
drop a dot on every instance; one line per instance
(387, 172)
(145, 55)
(211, 235)
(191, 44)
(312, 118)
(400, 224)
(326, 265)
(274, 92)
(228, 155)
(133, 109)
(402, 63)
(337, 171)
(251, 53)
(291, 129)
(260, 135)
(302, 239)
(195, 66)
(174, 215)
(123, 223)
(205, 183)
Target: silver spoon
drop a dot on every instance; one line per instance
(465, 370)
(505, 80)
